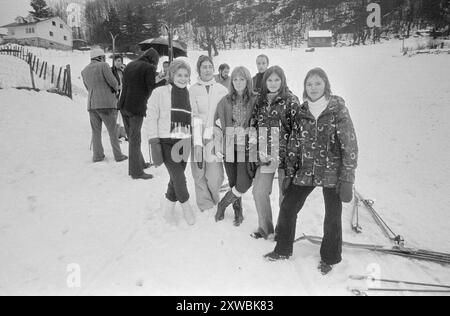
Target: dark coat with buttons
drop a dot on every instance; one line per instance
(320, 152)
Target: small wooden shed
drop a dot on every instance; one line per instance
(323, 38)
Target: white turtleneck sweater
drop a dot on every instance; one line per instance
(318, 106)
(205, 96)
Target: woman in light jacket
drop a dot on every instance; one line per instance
(207, 170)
(168, 124)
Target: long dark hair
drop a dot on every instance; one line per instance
(321, 74)
(284, 91)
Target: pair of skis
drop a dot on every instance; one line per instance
(398, 250)
(412, 253)
(414, 286)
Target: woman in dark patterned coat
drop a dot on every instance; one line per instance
(321, 151)
(269, 115)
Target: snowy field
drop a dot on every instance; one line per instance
(58, 209)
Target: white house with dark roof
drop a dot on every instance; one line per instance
(47, 33)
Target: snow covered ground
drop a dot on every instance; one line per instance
(15, 73)
(59, 209)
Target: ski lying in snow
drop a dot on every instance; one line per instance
(372, 279)
(419, 254)
(363, 291)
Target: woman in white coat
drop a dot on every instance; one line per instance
(207, 170)
(168, 126)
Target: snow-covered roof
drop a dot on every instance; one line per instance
(322, 33)
(20, 21)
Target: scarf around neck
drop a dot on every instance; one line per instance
(181, 113)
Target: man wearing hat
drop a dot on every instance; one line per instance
(102, 104)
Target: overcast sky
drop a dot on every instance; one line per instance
(10, 9)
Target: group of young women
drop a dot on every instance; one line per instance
(254, 135)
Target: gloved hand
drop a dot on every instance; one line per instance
(265, 160)
(198, 155)
(345, 191)
(220, 155)
(156, 152)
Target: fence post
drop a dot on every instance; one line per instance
(37, 66)
(64, 81)
(45, 71)
(34, 60)
(32, 77)
(53, 74)
(42, 70)
(59, 78)
(69, 82)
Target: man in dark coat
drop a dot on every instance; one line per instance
(138, 85)
(262, 62)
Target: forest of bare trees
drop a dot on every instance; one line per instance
(214, 25)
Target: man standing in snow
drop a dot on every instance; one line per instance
(102, 104)
(223, 77)
(118, 69)
(262, 62)
(138, 85)
(162, 78)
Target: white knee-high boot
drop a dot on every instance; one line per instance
(188, 213)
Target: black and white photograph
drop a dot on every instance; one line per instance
(224, 154)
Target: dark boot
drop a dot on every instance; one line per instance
(324, 268)
(227, 200)
(274, 256)
(143, 176)
(238, 214)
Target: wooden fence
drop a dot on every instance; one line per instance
(59, 78)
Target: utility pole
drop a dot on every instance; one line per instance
(170, 34)
(114, 37)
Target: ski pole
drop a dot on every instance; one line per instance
(388, 232)
(355, 218)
